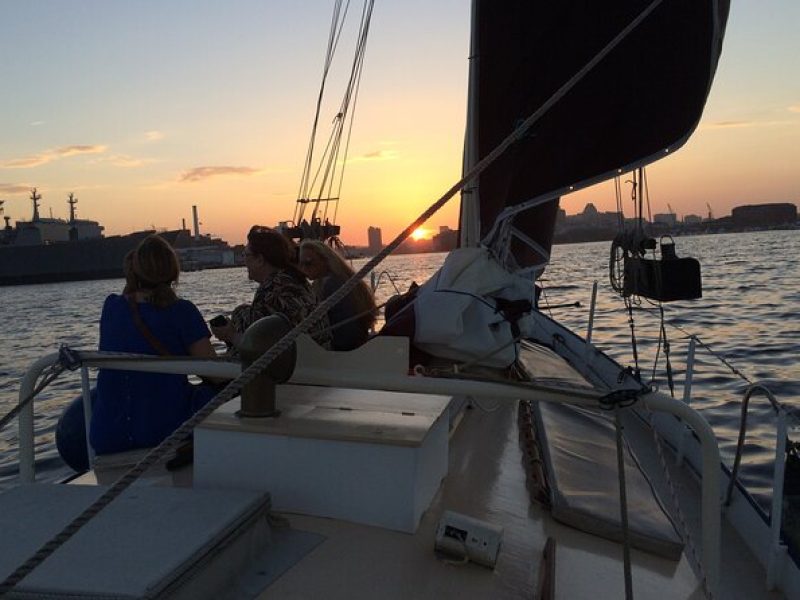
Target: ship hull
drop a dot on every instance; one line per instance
(68, 261)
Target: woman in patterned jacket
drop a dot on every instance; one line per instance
(271, 262)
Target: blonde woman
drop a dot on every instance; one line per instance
(351, 318)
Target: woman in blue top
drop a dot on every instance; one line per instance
(136, 409)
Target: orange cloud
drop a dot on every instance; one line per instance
(51, 155)
(201, 173)
(728, 124)
(376, 155)
(125, 161)
(14, 188)
(795, 108)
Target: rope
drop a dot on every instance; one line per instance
(632, 323)
(177, 438)
(678, 513)
(377, 283)
(623, 507)
(733, 369)
(663, 341)
(47, 380)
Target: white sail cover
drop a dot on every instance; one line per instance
(457, 316)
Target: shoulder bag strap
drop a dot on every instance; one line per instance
(148, 335)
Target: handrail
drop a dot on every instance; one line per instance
(779, 410)
(185, 366)
(402, 383)
(711, 461)
(777, 550)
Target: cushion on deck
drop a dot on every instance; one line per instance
(580, 454)
(142, 545)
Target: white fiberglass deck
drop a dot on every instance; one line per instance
(486, 480)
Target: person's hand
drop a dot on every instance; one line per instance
(226, 333)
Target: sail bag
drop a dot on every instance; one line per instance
(473, 310)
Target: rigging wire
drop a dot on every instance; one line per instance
(355, 102)
(46, 380)
(645, 191)
(618, 198)
(318, 189)
(333, 39)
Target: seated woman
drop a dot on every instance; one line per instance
(350, 319)
(270, 261)
(136, 409)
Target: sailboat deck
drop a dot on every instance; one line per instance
(486, 480)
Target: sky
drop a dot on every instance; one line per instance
(144, 109)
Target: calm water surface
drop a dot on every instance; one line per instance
(748, 315)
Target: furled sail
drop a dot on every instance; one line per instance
(638, 103)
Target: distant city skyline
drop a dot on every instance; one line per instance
(143, 109)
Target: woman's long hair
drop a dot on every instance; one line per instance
(363, 299)
(276, 249)
(153, 269)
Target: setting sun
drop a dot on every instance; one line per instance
(419, 233)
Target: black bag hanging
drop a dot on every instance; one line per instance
(666, 279)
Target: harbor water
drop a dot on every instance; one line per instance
(747, 324)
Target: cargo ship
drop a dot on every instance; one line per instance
(46, 250)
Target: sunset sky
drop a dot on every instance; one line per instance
(145, 108)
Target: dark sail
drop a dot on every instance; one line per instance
(642, 101)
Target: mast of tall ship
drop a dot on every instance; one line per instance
(35, 199)
(73, 230)
(321, 181)
(72, 201)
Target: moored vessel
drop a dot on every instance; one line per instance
(47, 250)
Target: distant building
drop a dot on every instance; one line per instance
(692, 219)
(665, 218)
(374, 240)
(445, 240)
(764, 215)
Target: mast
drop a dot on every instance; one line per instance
(72, 201)
(35, 199)
(73, 229)
(469, 218)
(321, 185)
